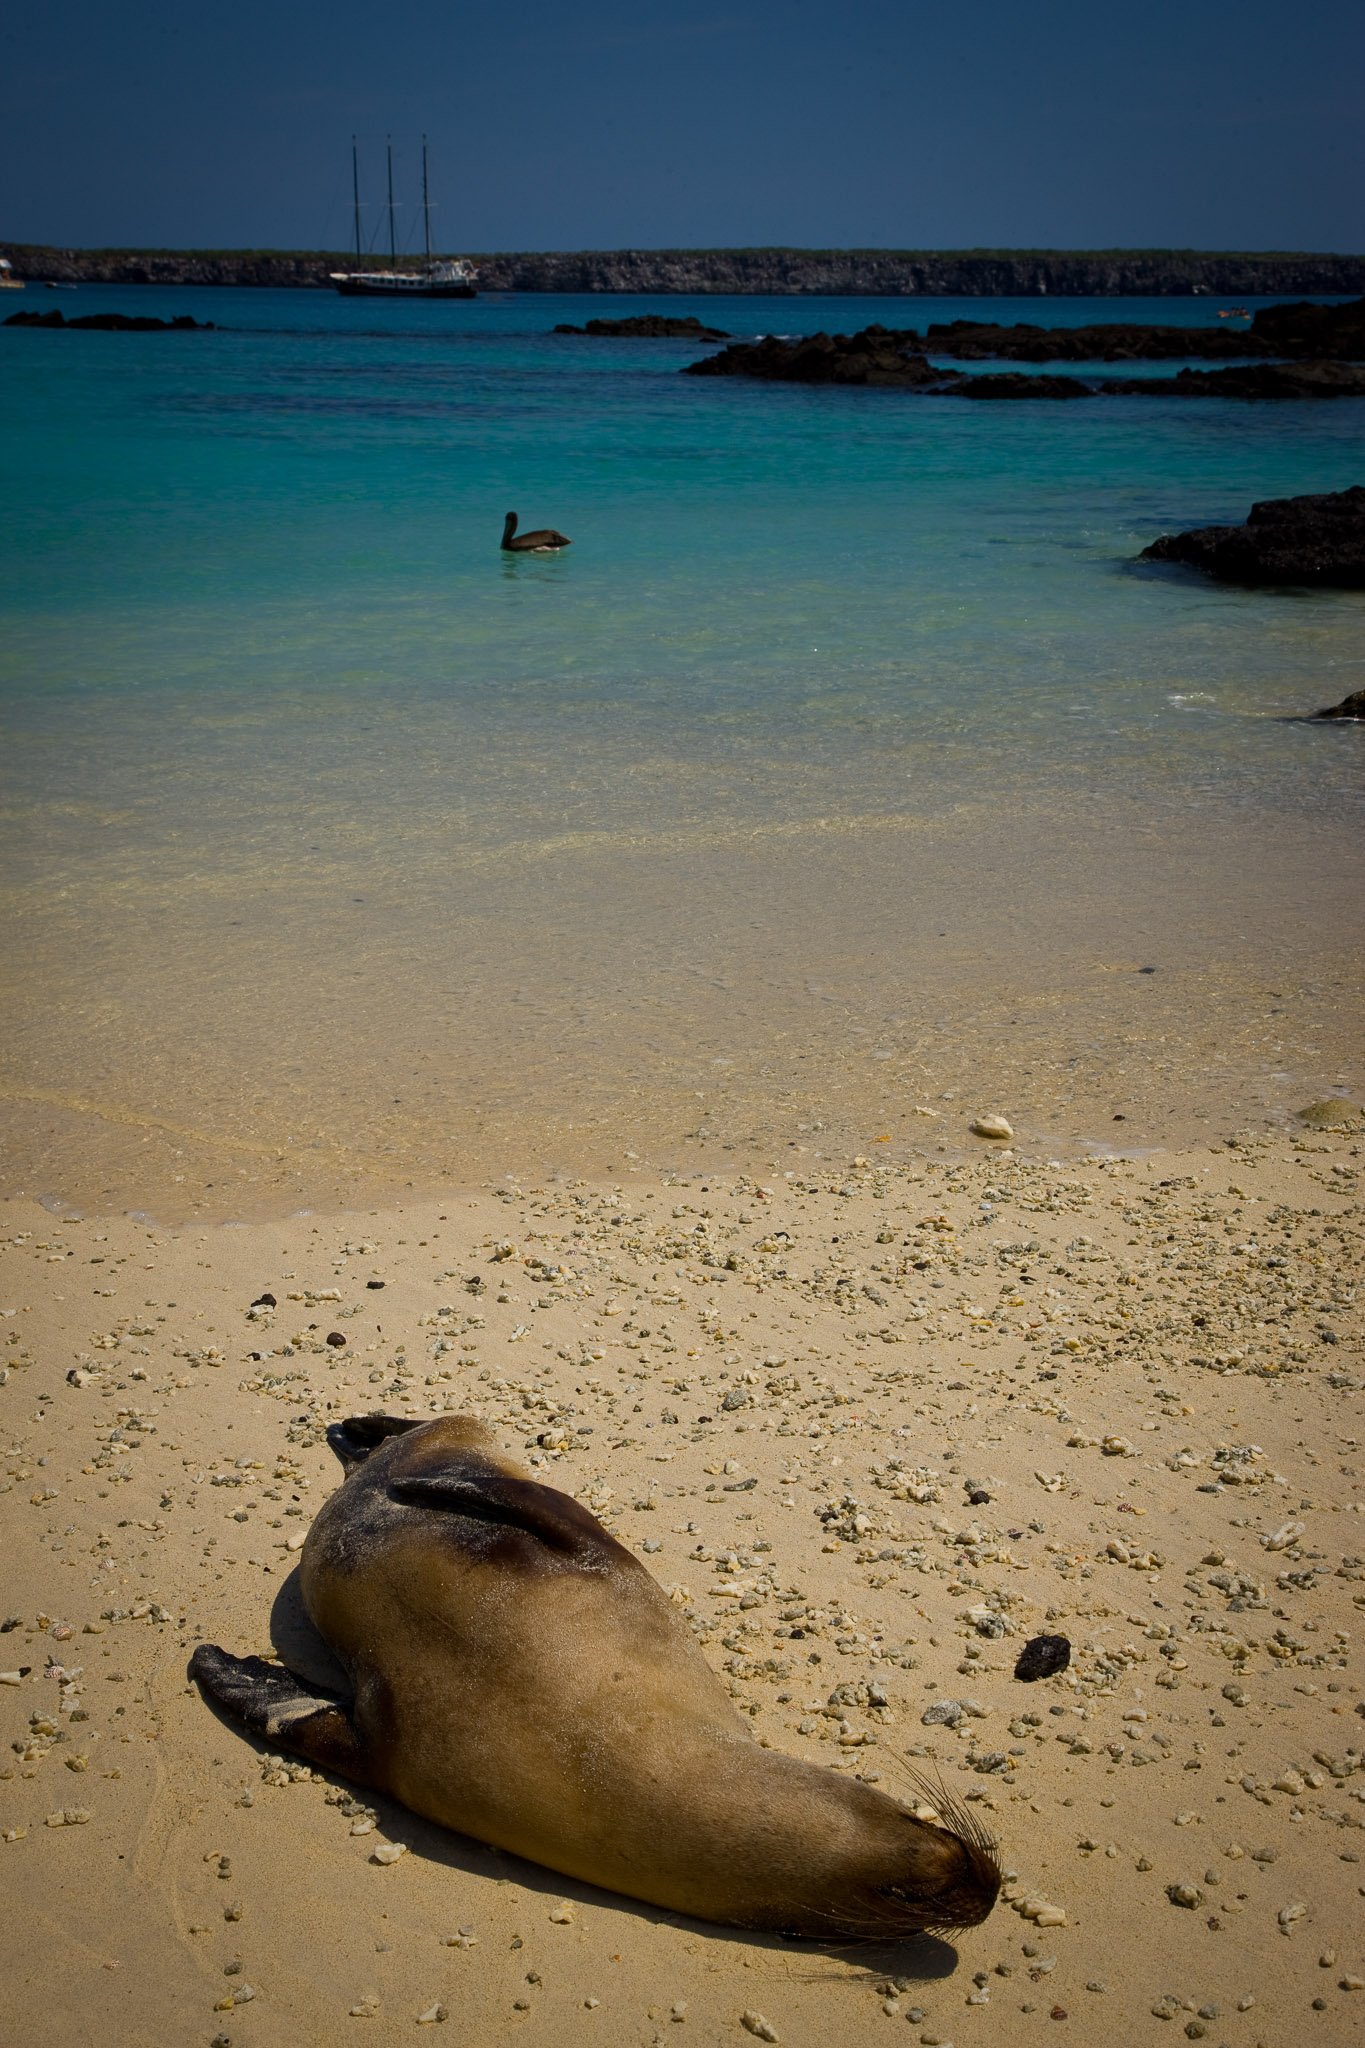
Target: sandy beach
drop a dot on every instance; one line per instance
(780, 1391)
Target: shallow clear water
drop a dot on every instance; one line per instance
(847, 717)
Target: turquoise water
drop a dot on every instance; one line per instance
(281, 720)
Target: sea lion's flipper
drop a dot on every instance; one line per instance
(270, 1702)
(553, 1518)
(358, 1435)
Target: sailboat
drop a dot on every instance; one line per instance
(452, 280)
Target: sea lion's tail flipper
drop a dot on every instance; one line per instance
(358, 1435)
(554, 1519)
(272, 1703)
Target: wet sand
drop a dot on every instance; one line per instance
(1151, 1366)
(379, 1020)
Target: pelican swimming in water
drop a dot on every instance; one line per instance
(538, 543)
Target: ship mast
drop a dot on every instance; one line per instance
(426, 202)
(393, 258)
(355, 193)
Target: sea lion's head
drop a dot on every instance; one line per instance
(931, 1877)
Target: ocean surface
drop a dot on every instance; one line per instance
(846, 768)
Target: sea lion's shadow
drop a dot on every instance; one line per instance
(300, 1647)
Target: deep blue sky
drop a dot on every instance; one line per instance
(609, 123)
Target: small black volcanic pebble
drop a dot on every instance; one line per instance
(1043, 1657)
(264, 1301)
(335, 1338)
(374, 1283)
(978, 1497)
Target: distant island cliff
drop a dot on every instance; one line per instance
(851, 273)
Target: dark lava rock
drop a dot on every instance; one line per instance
(1349, 707)
(112, 323)
(335, 1338)
(1318, 539)
(1306, 330)
(650, 327)
(1122, 342)
(374, 1285)
(874, 356)
(877, 355)
(1043, 1657)
(1015, 384)
(1302, 331)
(979, 1497)
(1250, 380)
(264, 1301)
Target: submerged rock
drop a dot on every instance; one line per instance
(112, 323)
(1016, 384)
(649, 327)
(1317, 539)
(1249, 380)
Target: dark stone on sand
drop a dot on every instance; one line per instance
(264, 1301)
(649, 327)
(1316, 540)
(1349, 707)
(374, 1284)
(1249, 380)
(979, 1497)
(1043, 1657)
(112, 323)
(334, 1338)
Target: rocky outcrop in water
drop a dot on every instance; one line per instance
(969, 341)
(1305, 331)
(876, 356)
(1249, 380)
(1319, 539)
(1349, 707)
(111, 323)
(1300, 332)
(648, 327)
(859, 273)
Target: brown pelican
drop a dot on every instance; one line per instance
(538, 543)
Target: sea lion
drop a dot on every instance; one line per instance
(519, 1676)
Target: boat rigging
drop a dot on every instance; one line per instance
(454, 279)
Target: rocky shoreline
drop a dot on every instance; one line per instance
(894, 273)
